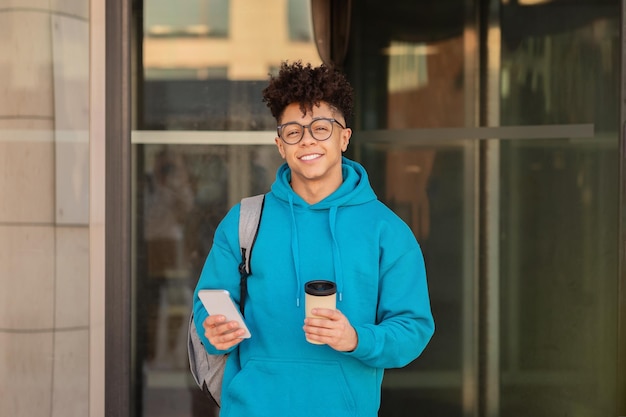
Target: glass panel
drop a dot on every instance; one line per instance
(202, 68)
(299, 20)
(410, 70)
(195, 18)
(558, 277)
(554, 228)
(410, 67)
(430, 186)
(559, 219)
(184, 192)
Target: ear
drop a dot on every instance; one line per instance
(280, 145)
(346, 134)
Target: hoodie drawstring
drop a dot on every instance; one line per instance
(295, 250)
(332, 217)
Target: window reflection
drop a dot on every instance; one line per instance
(215, 83)
(299, 20)
(189, 18)
(168, 200)
(184, 192)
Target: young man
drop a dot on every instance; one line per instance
(321, 220)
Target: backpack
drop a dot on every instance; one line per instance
(208, 370)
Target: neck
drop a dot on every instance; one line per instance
(314, 191)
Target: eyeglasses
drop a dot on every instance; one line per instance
(320, 129)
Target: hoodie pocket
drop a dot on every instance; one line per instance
(287, 387)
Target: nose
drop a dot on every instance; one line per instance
(307, 137)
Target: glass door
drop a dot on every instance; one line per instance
(492, 128)
(496, 141)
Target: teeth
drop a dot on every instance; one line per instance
(310, 157)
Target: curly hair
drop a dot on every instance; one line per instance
(307, 85)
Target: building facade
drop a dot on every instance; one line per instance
(494, 128)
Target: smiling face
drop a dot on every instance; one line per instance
(315, 165)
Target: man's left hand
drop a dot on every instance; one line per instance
(332, 328)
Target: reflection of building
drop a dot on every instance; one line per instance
(252, 40)
(425, 91)
(199, 79)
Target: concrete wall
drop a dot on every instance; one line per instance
(45, 221)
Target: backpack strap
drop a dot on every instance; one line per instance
(249, 220)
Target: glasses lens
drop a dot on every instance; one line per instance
(321, 129)
(291, 132)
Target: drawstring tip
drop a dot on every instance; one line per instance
(297, 301)
(340, 296)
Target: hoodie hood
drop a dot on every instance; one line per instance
(354, 190)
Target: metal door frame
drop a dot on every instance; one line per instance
(118, 347)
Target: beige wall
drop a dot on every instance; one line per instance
(45, 223)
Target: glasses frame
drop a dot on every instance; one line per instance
(279, 129)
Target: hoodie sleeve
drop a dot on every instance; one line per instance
(220, 271)
(404, 322)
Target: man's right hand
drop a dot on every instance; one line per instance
(222, 334)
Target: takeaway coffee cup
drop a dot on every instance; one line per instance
(319, 294)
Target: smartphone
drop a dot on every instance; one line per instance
(220, 302)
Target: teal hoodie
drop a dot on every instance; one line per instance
(350, 238)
